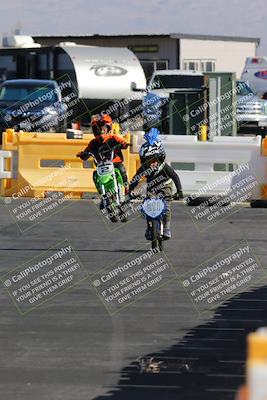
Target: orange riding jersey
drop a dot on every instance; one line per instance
(110, 142)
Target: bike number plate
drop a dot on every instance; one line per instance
(105, 168)
(153, 208)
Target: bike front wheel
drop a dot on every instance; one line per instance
(156, 238)
(112, 209)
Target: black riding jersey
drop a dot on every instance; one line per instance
(158, 178)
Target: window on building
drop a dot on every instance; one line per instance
(210, 66)
(199, 65)
(149, 66)
(192, 65)
(146, 48)
(162, 65)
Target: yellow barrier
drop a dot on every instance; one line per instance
(71, 178)
(116, 129)
(10, 140)
(34, 180)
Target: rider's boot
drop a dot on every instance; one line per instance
(123, 216)
(166, 234)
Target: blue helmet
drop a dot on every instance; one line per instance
(152, 149)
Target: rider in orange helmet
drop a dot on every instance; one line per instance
(103, 141)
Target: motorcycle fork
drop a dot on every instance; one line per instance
(103, 192)
(116, 188)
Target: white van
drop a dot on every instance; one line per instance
(255, 73)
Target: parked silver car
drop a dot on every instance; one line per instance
(251, 111)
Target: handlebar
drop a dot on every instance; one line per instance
(84, 156)
(132, 196)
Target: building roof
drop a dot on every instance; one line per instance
(215, 37)
(171, 35)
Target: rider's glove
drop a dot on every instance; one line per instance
(131, 196)
(83, 155)
(179, 195)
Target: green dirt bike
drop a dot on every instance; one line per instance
(109, 184)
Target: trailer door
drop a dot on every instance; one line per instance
(26, 65)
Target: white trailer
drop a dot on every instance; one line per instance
(101, 76)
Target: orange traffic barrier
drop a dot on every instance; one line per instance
(256, 388)
(264, 153)
(264, 147)
(243, 393)
(9, 143)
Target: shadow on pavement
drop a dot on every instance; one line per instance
(209, 362)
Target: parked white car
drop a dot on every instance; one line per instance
(251, 111)
(255, 73)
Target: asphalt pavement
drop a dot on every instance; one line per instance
(72, 347)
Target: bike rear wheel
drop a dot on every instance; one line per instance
(160, 244)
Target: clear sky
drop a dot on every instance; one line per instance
(222, 17)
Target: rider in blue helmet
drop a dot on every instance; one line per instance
(159, 176)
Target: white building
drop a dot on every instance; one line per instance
(175, 50)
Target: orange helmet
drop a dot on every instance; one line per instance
(107, 119)
(98, 122)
